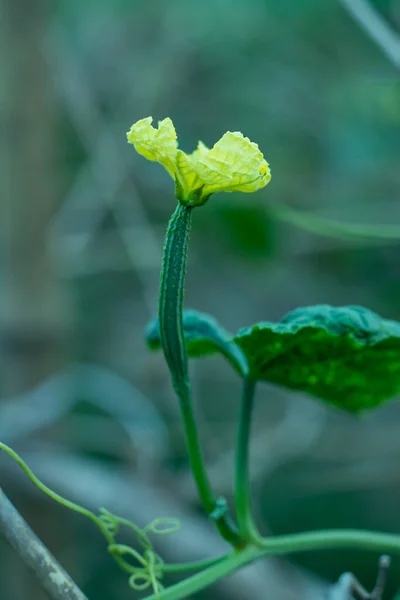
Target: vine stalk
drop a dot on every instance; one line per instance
(247, 528)
(283, 545)
(172, 283)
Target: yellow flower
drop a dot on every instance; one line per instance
(234, 163)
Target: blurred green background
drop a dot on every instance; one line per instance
(82, 220)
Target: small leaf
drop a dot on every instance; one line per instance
(347, 356)
(203, 336)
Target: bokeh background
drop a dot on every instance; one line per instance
(82, 225)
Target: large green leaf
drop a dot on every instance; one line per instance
(347, 356)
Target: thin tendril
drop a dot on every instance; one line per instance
(53, 495)
(151, 567)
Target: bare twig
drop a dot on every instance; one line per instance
(376, 27)
(384, 564)
(35, 555)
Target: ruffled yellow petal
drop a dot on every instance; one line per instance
(187, 178)
(159, 145)
(200, 151)
(234, 163)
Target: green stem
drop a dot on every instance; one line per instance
(192, 566)
(173, 344)
(247, 528)
(284, 544)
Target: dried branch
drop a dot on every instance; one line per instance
(349, 587)
(35, 555)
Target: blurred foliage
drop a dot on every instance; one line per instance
(244, 229)
(302, 80)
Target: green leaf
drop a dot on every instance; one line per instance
(203, 336)
(347, 356)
